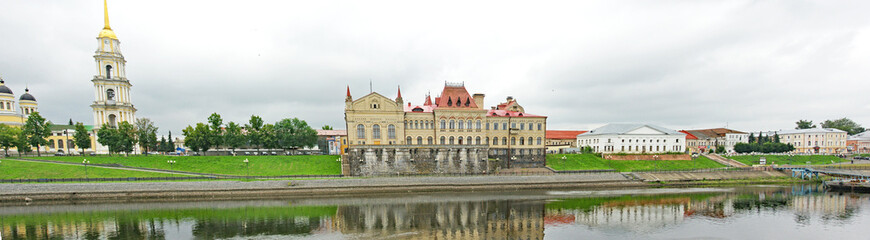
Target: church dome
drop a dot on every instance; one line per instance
(4, 88)
(27, 96)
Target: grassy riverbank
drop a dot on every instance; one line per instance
(257, 165)
(594, 162)
(12, 169)
(790, 160)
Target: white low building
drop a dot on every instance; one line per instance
(633, 138)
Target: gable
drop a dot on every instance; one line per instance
(645, 130)
(375, 102)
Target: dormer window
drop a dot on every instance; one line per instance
(459, 102)
(467, 102)
(417, 109)
(449, 102)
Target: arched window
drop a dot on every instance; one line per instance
(376, 131)
(468, 124)
(530, 140)
(112, 120)
(477, 140)
(110, 94)
(461, 124)
(408, 140)
(459, 141)
(504, 126)
(443, 124)
(513, 141)
(108, 71)
(429, 141)
(452, 124)
(360, 131)
(522, 141)
(451, 140)
(494, 141)
(539, 126)
(70, 143)
(59, 144)
(478, 124)
(442, 140)
(522, 126)
(391, 132)
(406, 123)
(504, 141)
(530, 126)
(495, 126)
(469, 140)
(419, 141)
(539, 140)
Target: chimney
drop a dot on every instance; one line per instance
(478, 99)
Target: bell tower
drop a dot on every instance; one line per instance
(112, 103)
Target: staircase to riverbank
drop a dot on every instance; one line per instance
(726, 161)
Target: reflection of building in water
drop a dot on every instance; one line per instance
(827, 205)
(640, 215)
(448, 220)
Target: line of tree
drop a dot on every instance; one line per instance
(763, 138)
(288, 134)
(33, 134)
(124, 137)
(767, 147)
(844, 124)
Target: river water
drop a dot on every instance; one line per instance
(754, 212)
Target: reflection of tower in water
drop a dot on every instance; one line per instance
(444, 220)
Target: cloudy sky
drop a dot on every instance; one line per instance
(750, 65)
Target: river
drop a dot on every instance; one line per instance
(752, 212)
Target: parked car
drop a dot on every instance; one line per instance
(247, 153)
(59, 154)
(274, 153)
(264, 153)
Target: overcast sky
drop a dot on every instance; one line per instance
(750, 65)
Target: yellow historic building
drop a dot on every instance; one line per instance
(15, 113)
(456, 119)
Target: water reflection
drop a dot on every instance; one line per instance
(531, 215)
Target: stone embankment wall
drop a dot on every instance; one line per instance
(647, 157)
(409, 159)
(708, 175)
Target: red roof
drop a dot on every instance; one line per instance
(426, 108)
(563, 134)
(428, 100)
(455, 97)
(505, 113)
(689, 135)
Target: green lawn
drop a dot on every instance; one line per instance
(12, 169)
(791, 160)
(593, 162)
(259, 165)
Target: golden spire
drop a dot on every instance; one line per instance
(107, 31)
(106, 14)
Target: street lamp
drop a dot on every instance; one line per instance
(86, 167)
(247, 170)
(171, 162)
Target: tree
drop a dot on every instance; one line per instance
(70, 122)
(22, 144)
(233, 137)
(37, 129)
(720, 149)
(146, 133)
(81, 138)
(751, 137)
(108, 136)
(216, 135)
(126, 137)
(171, 143)
(776, 137)
(294, 134)
(326, 127)
(269, 137)
(8, 137)
(161, 146)
(804, 124)
(844, 124)
(197, 138)
(254, 128)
